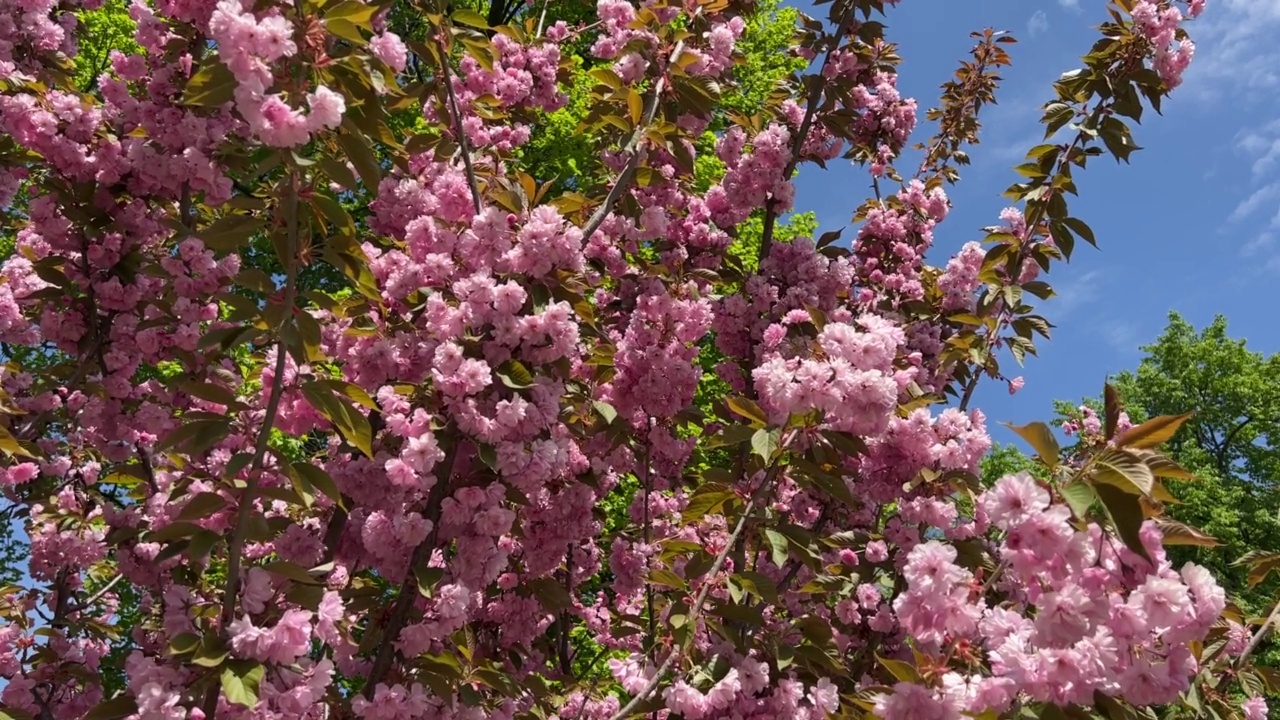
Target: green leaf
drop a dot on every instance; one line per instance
(240, 680)
(213, 85)
(338, 172)
(427, 579)
(469, 17)
(728, 436)
(606, 411)
(173, 531)
(306, 338)
(361, 154)
(1261, 564)
(1115, 135)
(830, 485)
(902, 671)
(1154, 432)
(707, 499)
(1175, 533)
(759, 585)
(353, 426)
(352, 11)
(1271, 676)
(666, 578)
(1252, 684)
(320, 480)
(351, 391)
(291, 571)
(348, 31)
(1123, 470)
(1056, 115)
(635, 106)
(113, 709)
(195, 436)
(231, 232)
(10, 445)
(1126, 514)
(1162, 466)
(212, 653)
(1041, 439)
(201, 543)
(1079, 497)
(551, 594)
(184, 643)
(778, 545)
(846, 443)
(515, 375)
(748, 409)
(228, 337)
(301, 486)
(202, 506)
(764, 443)
(1080, 228)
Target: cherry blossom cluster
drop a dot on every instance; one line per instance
(1106, 620)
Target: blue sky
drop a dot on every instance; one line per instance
(1192, 225)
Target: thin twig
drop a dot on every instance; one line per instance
(542, 19)
(463, 145)
(995, 575)
(797, 143)
(184, 207)
(408, 590)
(695, 611)
(792, 571)
(235, 545)
(628, 171)
(1258, 636)
(98, 595)
(148, 470)
(694, 614)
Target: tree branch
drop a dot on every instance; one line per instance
(695, 610)
(1257, 638)
(408, 588)
(628, 171)
(797, 143)
(98, 595)
(235, 545)
(463, 145)
(1226, 445)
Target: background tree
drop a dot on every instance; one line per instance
(1231, 442)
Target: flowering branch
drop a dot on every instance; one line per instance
(1258, 636)
(695, 611)
(797, 143)
(623, 183)
(408, 591)
(455, 112)
(235, 544)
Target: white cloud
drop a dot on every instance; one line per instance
(1265, 196)
(1070, 4)
(1121, 336)
(1076, 292)
(1258, 245)
(1263, 253)
(1263, 145)
(1236, 50)
(1236, 75)
(1038, 23)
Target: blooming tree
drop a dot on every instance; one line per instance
(373, 418)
